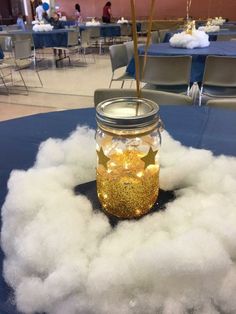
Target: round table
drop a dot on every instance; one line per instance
(219, 48)
(199, 127)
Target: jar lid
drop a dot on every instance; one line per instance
(127, 113)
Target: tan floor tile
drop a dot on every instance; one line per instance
(66, 87)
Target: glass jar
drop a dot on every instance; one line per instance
(128, 140)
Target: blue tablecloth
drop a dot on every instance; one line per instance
(212, 35)
(54, 38)
(229, 23)
(220, 48)
(200, 127)
(106, 30)
(69, 23)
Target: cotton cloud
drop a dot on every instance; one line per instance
(62, 256)
(198, 39)
(42, 28)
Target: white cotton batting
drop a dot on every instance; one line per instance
(64, 257)
(198, 39)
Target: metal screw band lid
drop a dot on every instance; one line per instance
(127, 113)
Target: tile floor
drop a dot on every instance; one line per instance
(66, 87)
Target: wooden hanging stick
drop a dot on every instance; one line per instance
(135, 39)
(148, 35)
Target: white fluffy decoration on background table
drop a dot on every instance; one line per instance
(209, 29)
(62, 257)
(218, 21)
(93, 23)
(42, 28)
(122, 21)
(198, 39)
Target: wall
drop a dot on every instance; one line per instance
(5, 8)
(164, 8)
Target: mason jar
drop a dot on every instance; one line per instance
(128, 141)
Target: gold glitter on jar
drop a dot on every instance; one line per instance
(127, 150)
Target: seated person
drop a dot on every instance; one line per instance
(54, 21)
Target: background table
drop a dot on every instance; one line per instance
(212, 35)
(69, 23)
(200, 127)
(54, 38)
(106, 30)
(219, 48)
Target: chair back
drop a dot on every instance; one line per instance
(6, 43)
(95, 32)
(85, 38)
(162, 34)
(18, 36)
(14, 27)
(130, 49)
(231, 27)
(125, 30)
(220, 71)
(144, 27)
(22, 49)
(228, 103)
(155, 37)
(166, 70)
(118, 56)
(73, 38)
(161, 98)
(226, 37)
(129, 45)
(3, 27)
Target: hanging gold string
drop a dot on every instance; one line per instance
(135, 39)
(149, 32)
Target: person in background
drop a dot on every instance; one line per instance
(57, 24)
(78, 16)
(20, 22)
(40, 11)
(106, 16)
(54, 20)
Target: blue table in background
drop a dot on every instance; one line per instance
(54, 38)
(69, 23)
(106, 30)
(212, 35)
(219, 48)
(200, 127)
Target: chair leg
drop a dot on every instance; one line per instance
(188, 90)
(200, 97)
(111, 80)
(100, 47)
(5, 85)
(39, 78)
(26, 88)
